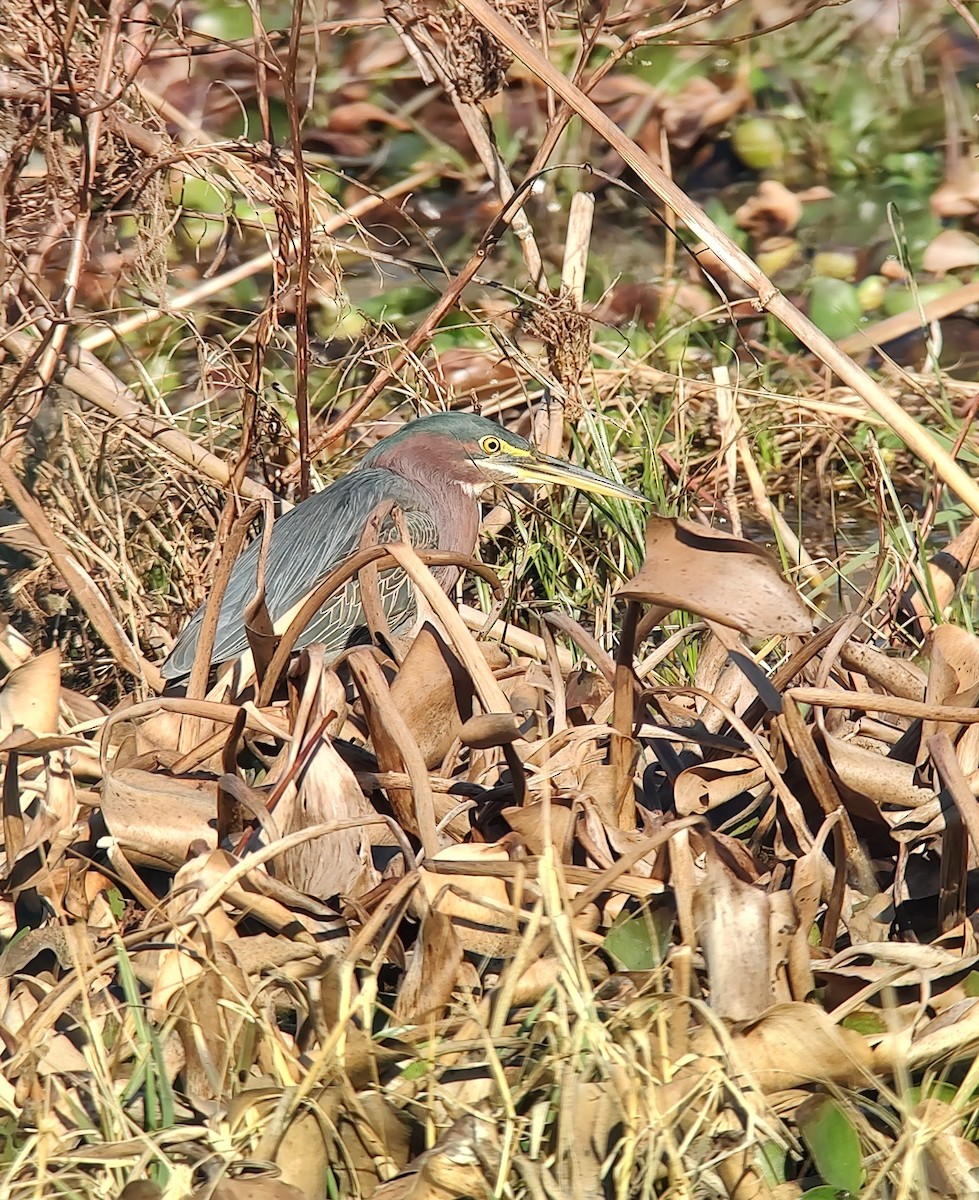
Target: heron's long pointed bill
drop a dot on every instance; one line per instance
(540, 468)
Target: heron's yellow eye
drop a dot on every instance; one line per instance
(491, 445)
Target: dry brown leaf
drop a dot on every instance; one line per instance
(31, 694)
(58, 810)
(715, 575)
(352, 116)
(734, 927)
(396, 750)
(953, 677)
(808, 879)
(699, 107)
(951, 1160)
(157, 818)
(772, 211)
(951, 250)
(952, 1036)
(958, 195)
(528, 822)
(795, 1044)
(958, 650)
(704, 786)
(904, 968)
(325, 791)
(464, 1162)
(433, 973)
(70, 944)
(250, 1187)
(894, 675)
(376, 1141)
(214, 1017)
(466, 372)
(595, 1110)
(299, 1141)
(433, 693)
(628, 301)
(479, 906)
(887, 783)
(945, 571)
(321, 789)
(262, 952)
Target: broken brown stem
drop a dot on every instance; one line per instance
(623, 749)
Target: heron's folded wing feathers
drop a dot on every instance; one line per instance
(307, 543)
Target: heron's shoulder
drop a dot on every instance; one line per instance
(361, 489)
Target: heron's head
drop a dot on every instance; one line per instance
(475, 454)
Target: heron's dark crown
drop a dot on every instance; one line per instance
(465, 428)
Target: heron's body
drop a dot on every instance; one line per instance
(433, 471)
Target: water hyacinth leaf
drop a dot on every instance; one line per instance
(326, 792)
(156, 818)
(479, 905)
(433, 972)
(433, 693)
(706, 786)
(833, 1142)
(717, 576)
(758, 143)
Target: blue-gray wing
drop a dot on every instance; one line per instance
(306, 544)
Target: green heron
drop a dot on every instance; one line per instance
(434, 469)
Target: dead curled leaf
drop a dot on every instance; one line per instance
(30, 695)
(950, 250)
(700, 106)
(771, 212)
(706, 786)
(462, 1163)
(132, 800)
(794, 1044)
(715, 575)
(734, 926)
(479, 906)
(958, 195)
(325, 791)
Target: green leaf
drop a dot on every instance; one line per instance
(770, 1161)
(758, 143)
(834, 306)
(201, 195)
(899, 298)
(417, 1069)
(947, 1093)
(639, 940)
(397, 303)
(833, 1142)
(824, 1192)
(865, 1021)
(117, 906)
